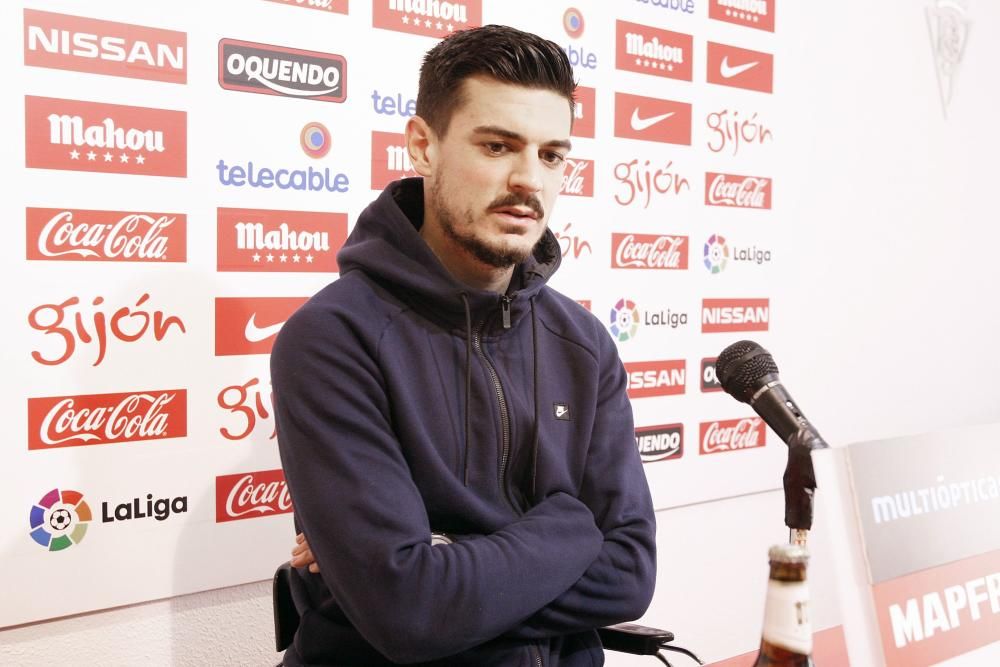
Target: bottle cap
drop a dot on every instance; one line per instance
(788, 553)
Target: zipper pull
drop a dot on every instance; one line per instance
(505, 309)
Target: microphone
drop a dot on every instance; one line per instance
(747, 372)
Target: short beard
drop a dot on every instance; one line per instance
(495, 256)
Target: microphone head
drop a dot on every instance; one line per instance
(742, 367)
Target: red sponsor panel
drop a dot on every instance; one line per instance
(740, 68)
(660, 443)
(248, 325)
(61, 41)
(390, 159)
(104, 419)
(585, 303)
(938, 613)
(584, 112)
(649, 50)
(250, 495)
(829, 648)
(735, 315)
(310, 75)
(749, 13)
(108, 138)
(263, 240)
(731, 434)
(578, 179)
(433, 18)
(737, 191)
(709, 379)
(81, 235)
(656, 378)
(337, 6)
(652, 119)
(649, 251)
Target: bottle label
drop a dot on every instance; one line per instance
(786, 616)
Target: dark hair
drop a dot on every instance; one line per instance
(500, 52)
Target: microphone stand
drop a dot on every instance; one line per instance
(800, 484)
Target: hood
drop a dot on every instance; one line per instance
(387, 246)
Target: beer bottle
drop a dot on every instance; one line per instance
(786, 640)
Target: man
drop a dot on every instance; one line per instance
(439, 387)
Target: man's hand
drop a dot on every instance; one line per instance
(302, 555)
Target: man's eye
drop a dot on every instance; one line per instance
(496, 147)
(552, 158)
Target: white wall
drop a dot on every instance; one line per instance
(897, 238)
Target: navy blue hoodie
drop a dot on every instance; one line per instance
(407, 404)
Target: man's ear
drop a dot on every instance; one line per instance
(421, 145)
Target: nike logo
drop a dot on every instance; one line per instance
(728, 72)
(640, 124)
(256, 334)
(561, 411)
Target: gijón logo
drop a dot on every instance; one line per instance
(660, 443)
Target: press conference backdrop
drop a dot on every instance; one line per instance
(184, 178)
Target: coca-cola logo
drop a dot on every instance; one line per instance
(105, 236)
(83, 44)
(106, 138)
(101, 419)
(732, 434)
(251, 495)
(649, 251)
(261, 240)
(439, 18)
(737, 191)
(65, 324)
(584, 113)
(578, 179)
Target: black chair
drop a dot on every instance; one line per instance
(624, 637)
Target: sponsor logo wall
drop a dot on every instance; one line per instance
(184, 186)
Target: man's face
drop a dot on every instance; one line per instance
(498, 169)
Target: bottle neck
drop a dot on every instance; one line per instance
(786, 612)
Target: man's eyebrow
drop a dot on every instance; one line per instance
(514, 136)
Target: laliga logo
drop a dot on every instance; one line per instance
(59, 520)
(624, 320)
(716, 253)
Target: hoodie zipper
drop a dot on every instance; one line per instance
(501, 398)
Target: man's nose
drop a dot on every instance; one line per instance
(526, 175)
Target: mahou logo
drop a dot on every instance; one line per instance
(737, 191)
(337, 6)
(390, 161)
(648, 50)
(61, 41)
(82, 235)
(280, 70)
(249, 325)
(250, 495)
(656, 378)
(266, 241)
(740, 68)
(103, 419)
(108, 138)
(660, 443)
(750, 13)
(652, 119)
(732, 434)
(649, 251)
(719, 315)
(578, 179)
(433, 18)
(584, 112)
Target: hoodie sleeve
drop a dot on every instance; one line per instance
(618, 584)
(365, 520)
